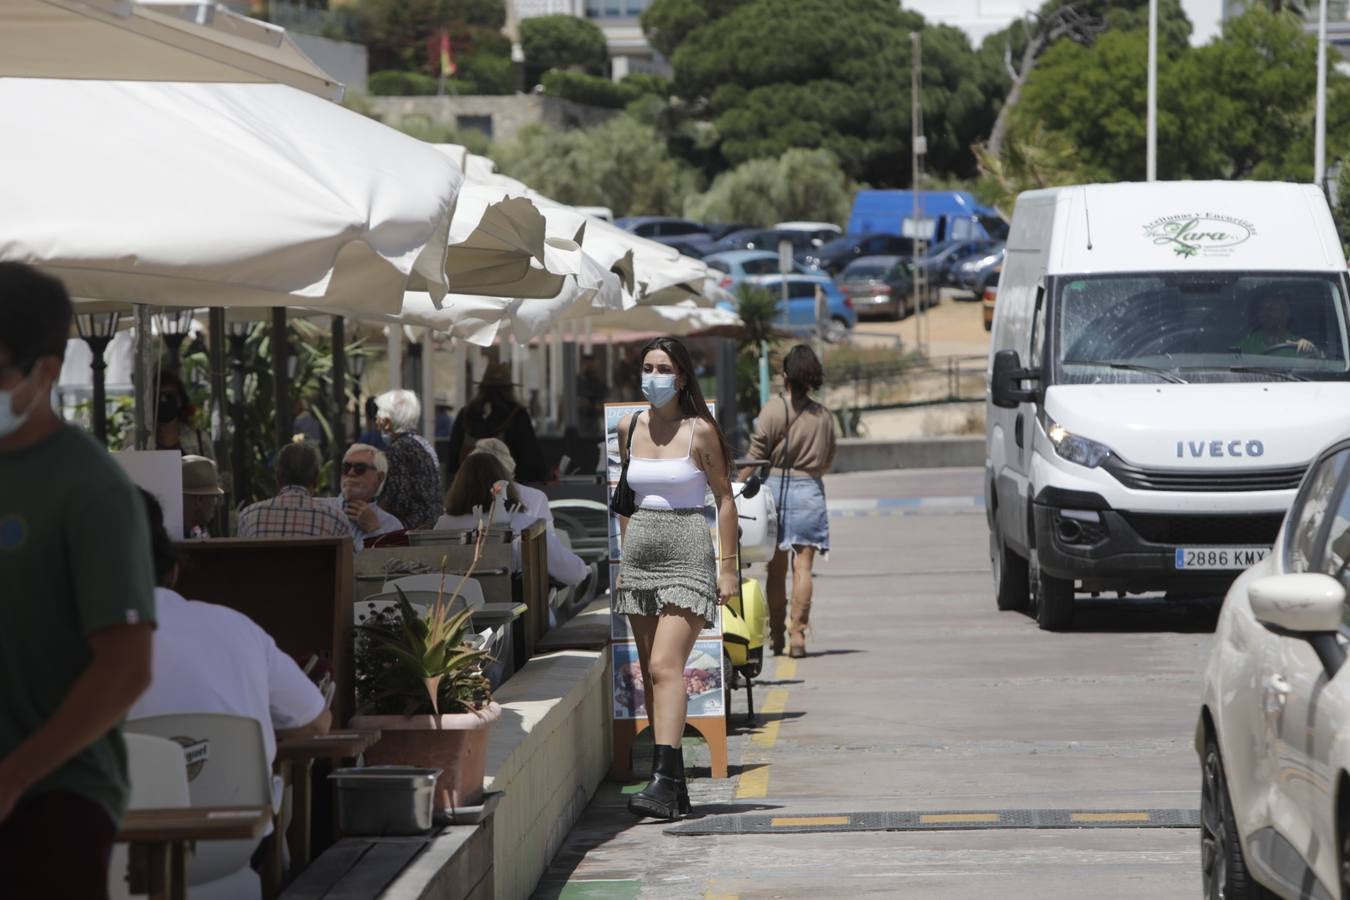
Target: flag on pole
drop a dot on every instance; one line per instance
(448, 67)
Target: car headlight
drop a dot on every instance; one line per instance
(1075, 448)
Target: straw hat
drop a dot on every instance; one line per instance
(199, 477)
(498, 374)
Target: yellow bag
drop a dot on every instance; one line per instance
(745, 620)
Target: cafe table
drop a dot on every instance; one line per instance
(159, 840)
(294, 758)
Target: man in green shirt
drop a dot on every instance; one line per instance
(77, 607)
(1271, 337)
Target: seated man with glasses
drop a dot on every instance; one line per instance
(364, 469)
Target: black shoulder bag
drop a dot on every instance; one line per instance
(624, 501)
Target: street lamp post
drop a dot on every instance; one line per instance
(174, 326)
(98, 330)
(1320, 126)
(238, 334)
(1152, 138)
(358, 367)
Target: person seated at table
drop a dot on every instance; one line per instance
(294, 511)
(533, 500)
(201, 494)
(364, 470)
(473, 489)
(213, 659)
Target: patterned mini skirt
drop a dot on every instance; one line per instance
(668, 561)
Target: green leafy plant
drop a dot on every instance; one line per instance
(409, 663)
(421, 663)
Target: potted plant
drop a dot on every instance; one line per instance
(423, 686)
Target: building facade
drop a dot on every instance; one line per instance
(629, 52)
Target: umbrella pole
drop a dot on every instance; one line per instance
(569, 377)
(143, 388)
(216, 359)
(395, 356)
(338, 420)
(428, 385)
(280, 392)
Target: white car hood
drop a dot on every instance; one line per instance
(1206, 426)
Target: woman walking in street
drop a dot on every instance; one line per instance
(796, 434)
(671, 579)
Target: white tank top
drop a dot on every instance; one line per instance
(668, 483)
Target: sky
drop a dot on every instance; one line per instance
(982, 17)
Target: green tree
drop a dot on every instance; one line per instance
(622, 164)
(560, 42)
(841, 83)
(800, 184)
(1239, 107)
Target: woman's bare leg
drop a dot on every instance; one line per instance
(644, 632)
(776, 591)
(676, 631)
(803, 558)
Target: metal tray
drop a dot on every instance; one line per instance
(385, 800)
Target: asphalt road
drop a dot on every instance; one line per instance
(918, 696)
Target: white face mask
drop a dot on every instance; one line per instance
(658, 389)
(11, 421)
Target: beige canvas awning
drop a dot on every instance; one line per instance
(115, 40)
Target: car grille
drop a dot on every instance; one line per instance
(1140, 478)
(1257, 529)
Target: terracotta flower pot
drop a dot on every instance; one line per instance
(457, 745)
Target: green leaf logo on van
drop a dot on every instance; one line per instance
(1196, 234)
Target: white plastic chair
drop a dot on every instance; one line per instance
(158, 775)
(470, 597)
(471, 593)
(226, 766)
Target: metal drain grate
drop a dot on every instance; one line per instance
(940, 820)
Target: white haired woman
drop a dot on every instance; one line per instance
(412, 490)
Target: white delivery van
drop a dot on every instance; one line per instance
(1166, 359)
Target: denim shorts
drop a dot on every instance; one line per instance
(803, 520)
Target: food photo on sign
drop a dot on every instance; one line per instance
(702, 681)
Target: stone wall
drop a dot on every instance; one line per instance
(506, 115)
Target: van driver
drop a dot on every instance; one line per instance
(1272, 337)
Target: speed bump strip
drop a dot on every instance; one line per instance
(940, 820)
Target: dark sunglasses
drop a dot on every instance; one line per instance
(357, 469)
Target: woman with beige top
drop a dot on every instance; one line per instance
(796, 434)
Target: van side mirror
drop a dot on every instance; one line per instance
(1305, 606)
(1005, 382)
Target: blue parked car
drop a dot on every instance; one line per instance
(737, 265)
(690, 238)
(798, 314)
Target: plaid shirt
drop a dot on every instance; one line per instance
(293, 513)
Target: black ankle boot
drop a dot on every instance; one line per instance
(665, 796)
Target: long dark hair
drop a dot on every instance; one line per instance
(690, 397)
(473, 486)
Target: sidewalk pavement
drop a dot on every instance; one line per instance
(918, 698)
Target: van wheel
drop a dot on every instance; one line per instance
(1054, 601)
(1223, 869)
(1012, 590)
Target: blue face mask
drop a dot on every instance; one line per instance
(11, 421)
(658, 389)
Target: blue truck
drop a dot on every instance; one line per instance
(945, 216)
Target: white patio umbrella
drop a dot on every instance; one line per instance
(680, 319)
(117, 40)
(649, 270)
(218, 195)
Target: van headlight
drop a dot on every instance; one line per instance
(1075, 448)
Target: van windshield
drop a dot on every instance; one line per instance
(1200, 327)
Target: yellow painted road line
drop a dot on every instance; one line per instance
(785, 669)
(789, 821)
(755, 783)
(1109, 817)
(958, 818)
